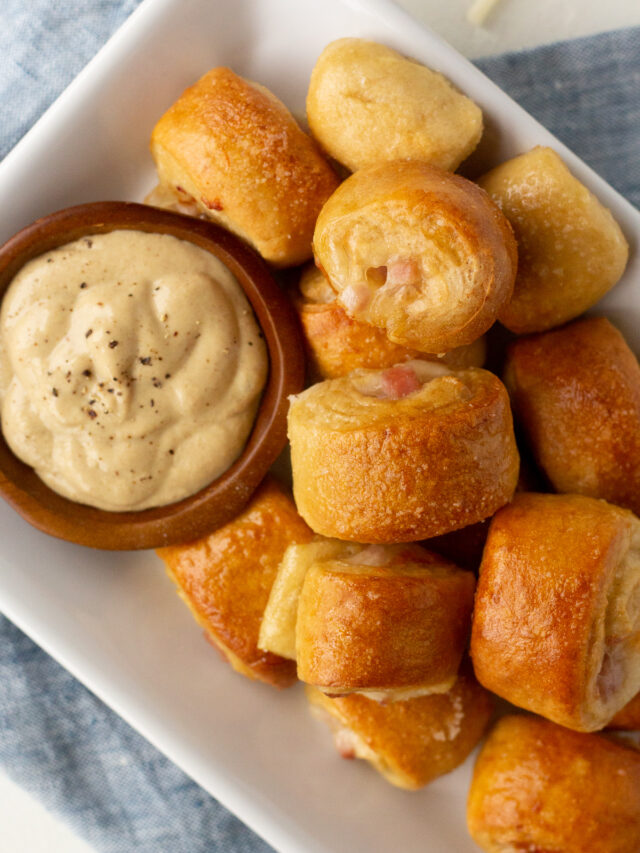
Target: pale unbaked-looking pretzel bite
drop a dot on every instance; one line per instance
(337, 344)
(278, 629)
(576, 394)
(556, 624)
(419, 252)
(402, 454)
(367, 103)
(571, 251)
(225, 579)
(229, 150)
(538, 787)
(388, 621)
(410, 743)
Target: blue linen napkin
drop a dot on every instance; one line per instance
(59, 741)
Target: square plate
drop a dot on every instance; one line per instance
(114, 619)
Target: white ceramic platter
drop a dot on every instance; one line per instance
(114, 619)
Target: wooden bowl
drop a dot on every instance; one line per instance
(220, 501)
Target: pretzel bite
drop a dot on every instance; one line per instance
(337, 344)
(402, 454)
(367, 103)
(226, 577)
(576, 393)
(410, 743)
(230, 148)
(390, 622)
(556, 625)
(539, 787)
(571, 251)
(278, 629)
(419, 252)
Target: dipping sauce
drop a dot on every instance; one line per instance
(131, 368)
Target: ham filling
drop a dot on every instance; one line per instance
(402, 271)
(355, 298)
(401, 380)
(397, 272)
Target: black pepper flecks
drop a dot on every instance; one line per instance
(113, 344)
(88, 333)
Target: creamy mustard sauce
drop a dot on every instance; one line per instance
(131, 368)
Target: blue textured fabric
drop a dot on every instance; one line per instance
(586, 92)
(56, 739)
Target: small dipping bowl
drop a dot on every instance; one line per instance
(224, 498)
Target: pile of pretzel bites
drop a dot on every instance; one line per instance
(406, 471)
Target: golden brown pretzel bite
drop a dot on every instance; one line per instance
(411, 743)
(419, 252)
(571, 251)
(402, 454)
(539, 787)
(338, 344)
(576, 393)
(390, 622)
(232, 149)
(367, 103)
(226, 577)
(556, 624)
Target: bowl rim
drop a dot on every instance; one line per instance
(215, 504)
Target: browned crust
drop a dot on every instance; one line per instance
(238, 152)
(415, 741)
(226, 577)
(425, 193)
(576, 392)
(402, 625)
(337, 344)
(406, 479)
(545, 582)
(570, 249)
(539, 787)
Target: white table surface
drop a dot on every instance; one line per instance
(514, 24)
